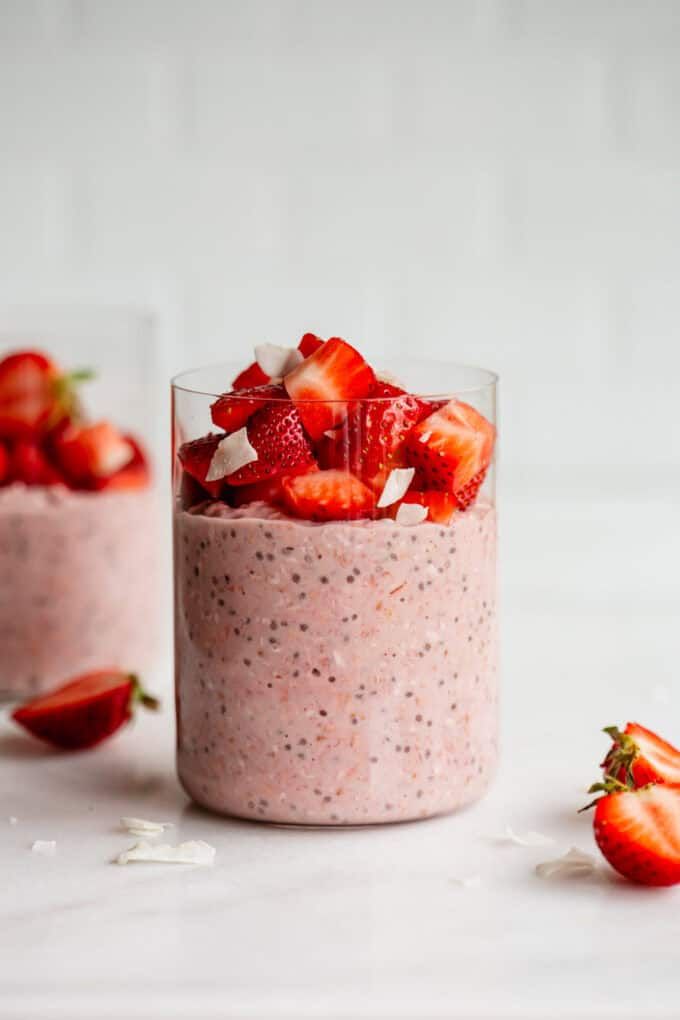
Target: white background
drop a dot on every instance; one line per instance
(496, 181)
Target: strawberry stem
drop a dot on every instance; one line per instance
(142, 696)
(610, 784)
(622, 755)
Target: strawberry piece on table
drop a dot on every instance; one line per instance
(88, 453)
(321, 385)
(250, 377)
(328, 496)
(371, 439)
(4, 464)
(84, 711)
(309, 344)
(28, 393)
(441, 506)
(276, 434)
(638, 831)
(135, 475)
(638, 756)
(451, 450)
(196, 458)
(232, 410)
(29, 464)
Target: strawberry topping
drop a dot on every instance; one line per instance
(4, 464)
(196, 458)
(309, 344)
(275, 432)
(135, 475)
(328, 496)
(322, 384)
(30, 465)
(28, 394)
(451, 449)
(232, 410)
(250, 377)
(89, 453)
(84, 711)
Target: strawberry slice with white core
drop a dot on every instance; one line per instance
(309, 343)
(276, 435)
(328, 496)
(84, 711)
(321, 386)
(91, 452)
(231, 453)
(638, 756)
(276, 361)
(451, 447)
(232, 410)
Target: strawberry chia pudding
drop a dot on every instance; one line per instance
(335, 600)
(78, 565)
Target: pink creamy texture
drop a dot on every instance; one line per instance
(77, 584)
(339, 673)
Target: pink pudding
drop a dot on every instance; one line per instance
(78, 584)
(336, 673)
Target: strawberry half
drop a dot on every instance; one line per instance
(27, 393)
(638, 756)
(309, 344)
(232, 410)
(638, 831)
(135, 475)
(250, 377)
(441, 506)
(321, 385)
(89, 453)
(84, 711)
(276, 434)
(196, 457)
(451, 450)
(328, 496)
(29, 464)
(4, 464)
(371, 439)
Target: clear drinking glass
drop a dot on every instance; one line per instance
(335, 672)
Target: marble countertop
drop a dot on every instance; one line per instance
(369, 922)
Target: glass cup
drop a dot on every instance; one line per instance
(336, 672)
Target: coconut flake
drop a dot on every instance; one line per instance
(45, 847)
(195, 851)
(277, 361)
(529, 838)
(574, 864)
(143, 827)
(232, 453)
(470, 882)
(411, 513)
(396, 486)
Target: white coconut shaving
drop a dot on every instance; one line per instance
(44, 847)
(143, 827)
(232, 453)
(574, 864)
(277, 361)
(195, 851)
(396, 486)
(529, 838)
(470, 882)
(411, 513)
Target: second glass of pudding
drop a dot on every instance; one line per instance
(338, 671)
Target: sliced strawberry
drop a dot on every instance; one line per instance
(4, 464)
(135, 475)
(27, 393)
(466, 496)
(250, 377)
(638, 831)
(88, 453)
(441, 506)
(638, 756)
(328, 496)
(321, 385)
(309, 344)
(196, 458)
(451, 448)
(276, 434)
(84, 711)
(30, 464)
(269, 491)
(232, 410)
(371, 439)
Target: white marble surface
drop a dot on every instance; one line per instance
(360, 923)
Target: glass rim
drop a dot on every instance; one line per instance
(487, 380)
